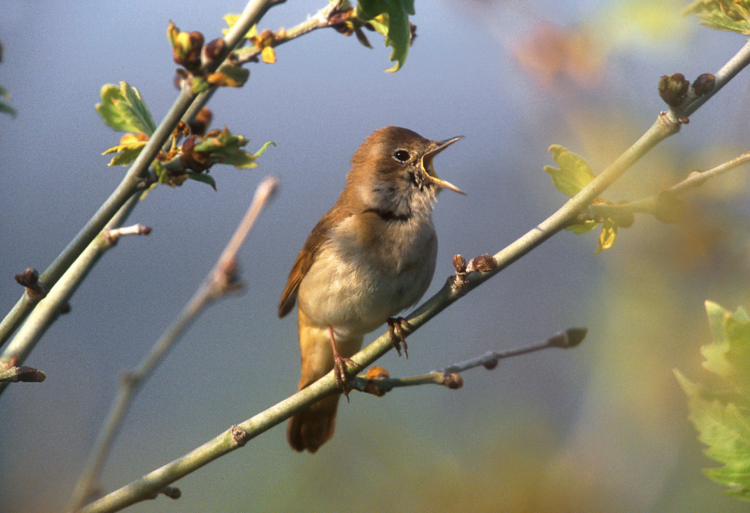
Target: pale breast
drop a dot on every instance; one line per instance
(356, 283)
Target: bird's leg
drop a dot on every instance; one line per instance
(339, 367)
(396, 326)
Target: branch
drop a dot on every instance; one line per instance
(320, 20)
(56, 300)
(221, 280)
(15, 374)
(484, 268)
(254, 10)
(660, 203)
(379, 383)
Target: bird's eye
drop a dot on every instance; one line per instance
(401, 155)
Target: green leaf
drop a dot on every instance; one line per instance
(391, 19)
(128, 150)
(608, 236)
(226, 148)
(721, 413)
(202, 177)
(123, 109)
(729, 15)
(574, 173)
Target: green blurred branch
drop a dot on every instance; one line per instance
(221, 280)
(655, 204)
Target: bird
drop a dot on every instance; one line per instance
(371, 256)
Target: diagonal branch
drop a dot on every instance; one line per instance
(221, 280)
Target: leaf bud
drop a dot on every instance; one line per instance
(673, 88)
(459, 264)
(212, 50)
(453, 380)
(704, 84)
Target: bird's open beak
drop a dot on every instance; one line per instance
(430, 170)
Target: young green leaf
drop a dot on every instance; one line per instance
(608, 235)
(128, 150)
(721, 414)
(226, 148)
(123, 109)
(729, 15)
(574, 173)
(202, 177)
(391, 19)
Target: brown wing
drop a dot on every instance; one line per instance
(306, 257)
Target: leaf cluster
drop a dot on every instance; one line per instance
(123, 109)
(729, 15)
(570, 178)
(721, 411)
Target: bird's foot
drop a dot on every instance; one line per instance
(396, 327)
(340, 368)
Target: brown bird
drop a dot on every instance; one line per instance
(370, 257)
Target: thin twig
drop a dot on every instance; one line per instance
(650, 205)
(221, 280)
(449, 376)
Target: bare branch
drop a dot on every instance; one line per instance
(222, 279)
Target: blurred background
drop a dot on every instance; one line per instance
(600, 428)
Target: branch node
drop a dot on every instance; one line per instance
(373, 375)
(567, 339)
(35, 290)
(171, 491)
(239, 436)
(482, 263)
(453, 380)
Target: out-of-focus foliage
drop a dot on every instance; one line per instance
(729, 15)
(721, 411)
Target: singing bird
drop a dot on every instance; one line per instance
(370, 257)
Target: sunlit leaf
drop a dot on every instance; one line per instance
(229, 76)
(721, 413)
(128, 150)
(574, 173)
(729, 15)
(608, 235)
(231, 19)
(123, 109)
(391, 19)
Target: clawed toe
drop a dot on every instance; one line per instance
(396, 327)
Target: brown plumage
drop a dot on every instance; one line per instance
(370, 257)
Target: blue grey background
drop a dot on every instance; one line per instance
(602, 427)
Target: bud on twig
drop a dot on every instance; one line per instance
(35, 289)
(673, 88)
(453, 381)
(704, 84)
(482, 263)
